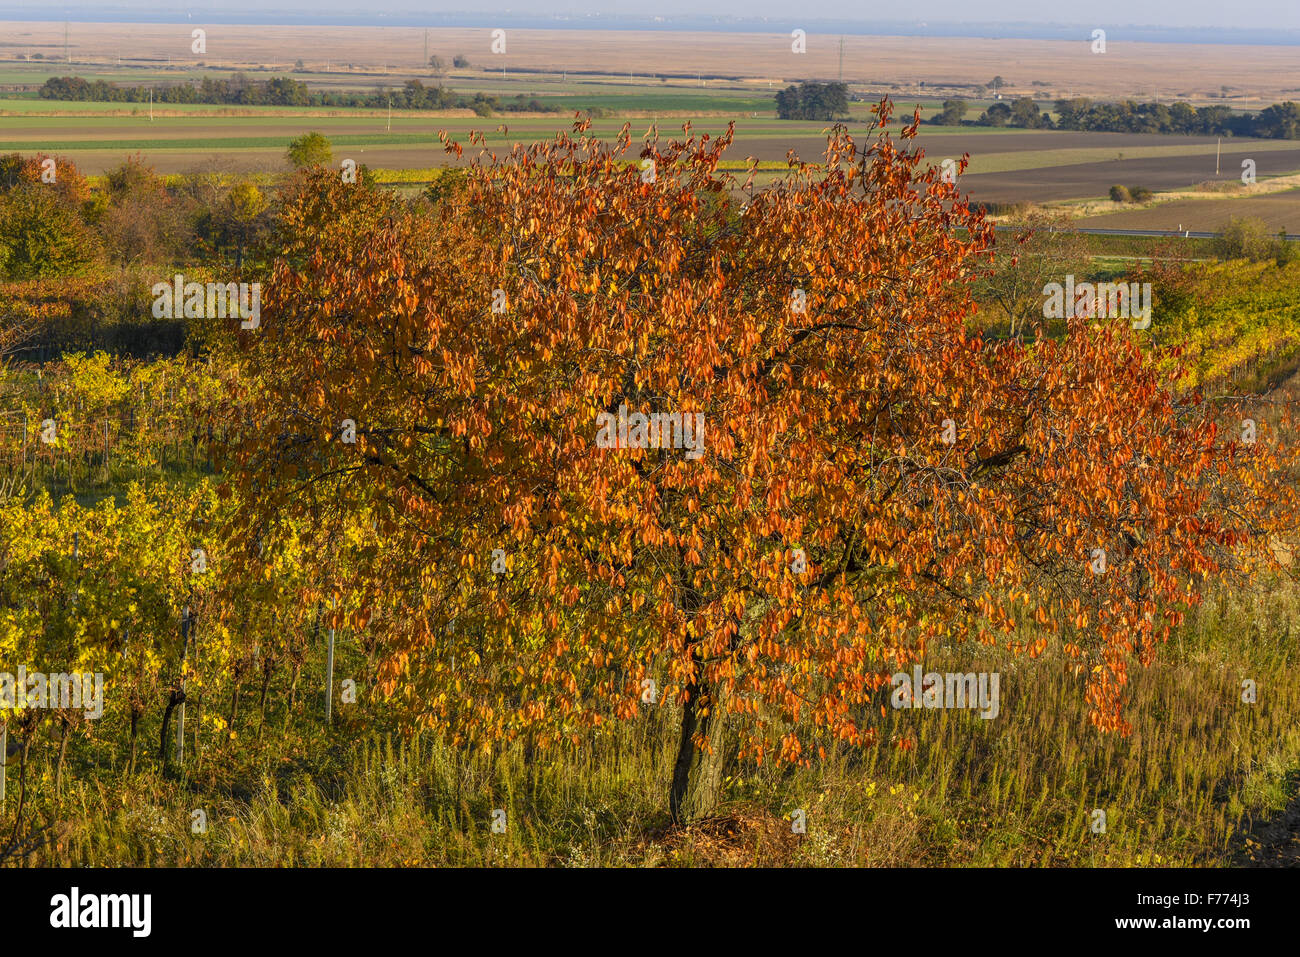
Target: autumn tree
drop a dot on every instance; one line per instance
(1245, 237)
(42, 231)
(449, 180)
(1038, 249)
(838, 474)
(228, 211)
(141, 222)
(40, 238)
(58, 173)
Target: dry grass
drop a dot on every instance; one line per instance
(1206, 212)
(1206, 207)
(1202, 774)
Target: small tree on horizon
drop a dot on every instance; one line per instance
(310, 149)
(998, 114)
(952, 113)
(813, 101)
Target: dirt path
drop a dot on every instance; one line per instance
(1274, 842)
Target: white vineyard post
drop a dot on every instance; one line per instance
(329, 673)
(180, 724)
(186, 624)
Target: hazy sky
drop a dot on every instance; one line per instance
(1251, 14)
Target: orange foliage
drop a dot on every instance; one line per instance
(64, 179)
(829, 532)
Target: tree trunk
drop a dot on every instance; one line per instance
(234, 704)
(28, 729)
(173, 700)
(65, 728)
(293, 692)
(266, 686)
(197, 725)
(136, 711)
(697, 772)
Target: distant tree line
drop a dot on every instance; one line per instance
(240, 90)
(813, 101)
(1279, 121)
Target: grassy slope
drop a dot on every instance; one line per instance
(1199, 771)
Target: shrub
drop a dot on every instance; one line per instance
(1244, 238)
(448, 182)
(1285, 251)
(310, 149)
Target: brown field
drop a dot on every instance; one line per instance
(1088, 180)
(1272, 156)
(1279, 211)
(1257, 74)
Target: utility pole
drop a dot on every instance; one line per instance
(150, 104)
(841, 59)
(426, 47)
(1217, 146)
(67, 51)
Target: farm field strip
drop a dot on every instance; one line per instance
(1278, 211)
(1024, 159)
(1254, 71)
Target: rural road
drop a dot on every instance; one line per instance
(1168, 233)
